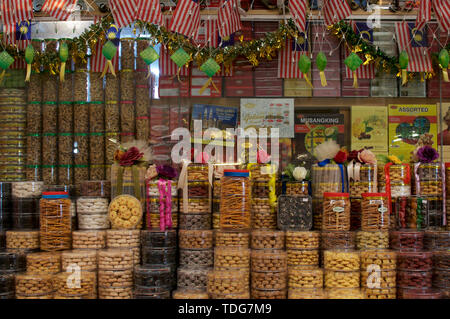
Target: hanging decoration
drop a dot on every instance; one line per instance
(149, 56)
(353, 61)
(443, 63)
(403, 61)
(321, 62)
(304, 64)
(109, 51)
(5, 62)
(210, 67)
(63, 56)
(29, 56)
(180, 58)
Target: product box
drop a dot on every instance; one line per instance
(369, 128)
(242, 81)
(267, 82)
(436, 83)
(407, 123)
(198, 80)
(170, 86)
(413, 88)
(333, 69)
(260, 28)
(297, 87)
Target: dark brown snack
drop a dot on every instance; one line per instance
(414, 279)
(338, 240)
(198, 189)
(406, 240)
(436, 240)
(441, 259)
(95, 188)
(196, 257)
(159, 239)
(195, 221)
(415, 261)
(193, 278)
(294, 212)
(152, 277)
(158, 256)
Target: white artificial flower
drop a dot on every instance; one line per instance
(326, 150)
(299, 173)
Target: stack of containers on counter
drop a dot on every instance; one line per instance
(156, 193)
(65, 129)
(230, 278)
(341, 262)
(363, 180)
(112, 121)
(216, 203)
(115, 273)
(50, 121)
(156, 277)
(438, 242)
(5, 211)
(10, 265)
(92, 205)
(40, 266)
(378, 279)
(81, 123)
(34, 122)
(125, 238)
(97, 129)
(268, 265)
(13, 122)
(25, 205)
(127, 87)
(82, 259)
(142, 93)
(263, 210)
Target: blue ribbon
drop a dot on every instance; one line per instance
(283, 187)
(309, 188)
(341, 167)
(324, 162)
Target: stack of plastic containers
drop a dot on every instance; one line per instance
(142, 93)
(34, 123)
(84, 260)
(154, 199)
(115, 273)
(22, 241)
(42, 264)
(305, 278)
(25, 205)
(156, 277)
(92, 205)
(96, 128)
(268, 265)
(263, 211)
(378, 273)
(5, 212)
(10, 265)
(112, 120)
(71, 190)
(125, 238)
(127, 91)
(13, 118)
(441, 272)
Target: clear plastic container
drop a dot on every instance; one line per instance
(435, 217)
(235, 201)
(115, 293)
(385, 259)
(192, 221)
(231, 239)
(261, 172)
(189, 294)
(336, 211)
(307, 293)
(268, 293)
(399, 172)
(268, 261)
(22, 239)
(89, 239)
(195, 239)
(325, 179)
(153, 190)
(344, 293)
(408, 240)
(266, 239)
(12, 262)
(27, 189)
(197, 172)
(198, 189)
(341, 279)
(373, 279)
(303, 258)
(441, 259)
(152, 276)
(145, 293)
(265, 220)
(399, 189)
(269, 280)
(44, 262)
(375, 212)
(441, 278)
(115, 278)
(302, 239)
(153, 204)
(115, 259)
(159, 239)
(372, 239)
(414, 279)
(55, 221)
(7, 284)
(116, 238)
(421, 294)
(297, 188)
(342, 260)
(226, 282)
(231, 257)
(33, 284)
(154, 220)
(196, 206)
(192, 277)
(411, 260)
(390, 293)
(302, 278)
(93, 221)
(95, 188)
(158, 256)
(294, 212)
(412, 212)
(359, 188)
(25, 214)
(85, 259)
(338, 240)
(125, 211)
(63, 284)
(196, 257)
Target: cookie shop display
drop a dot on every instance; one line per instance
(294, 212)
(125, 238)
(92, 213)
(72, 191)
(25, 205)
(115, 273)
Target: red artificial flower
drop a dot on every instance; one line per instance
(353, 156)
(131, 157)
(340, 157)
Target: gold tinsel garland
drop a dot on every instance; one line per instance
(254, 50)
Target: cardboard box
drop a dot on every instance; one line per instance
(297, 87)
(170, 86)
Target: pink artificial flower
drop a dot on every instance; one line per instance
(367, 157)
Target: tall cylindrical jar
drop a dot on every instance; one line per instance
(235, 200)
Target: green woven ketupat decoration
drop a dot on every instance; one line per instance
(109, 50)
(149, 56)
(443, 63)
(353, 62)
(63, 56)
(321, 62)
(5, 62)
(304, 64)
(210, 67)
(29, 57)
(403, 61)
(180, 57)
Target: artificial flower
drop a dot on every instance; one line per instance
(166, 171)
(131, 156)
(151, 172)
(367, 157)
(354, 156)
(299, 173)
(340, 157)
(118, 155)
(394, 159)
(326, 150)
(262, 157)
(427, 154)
